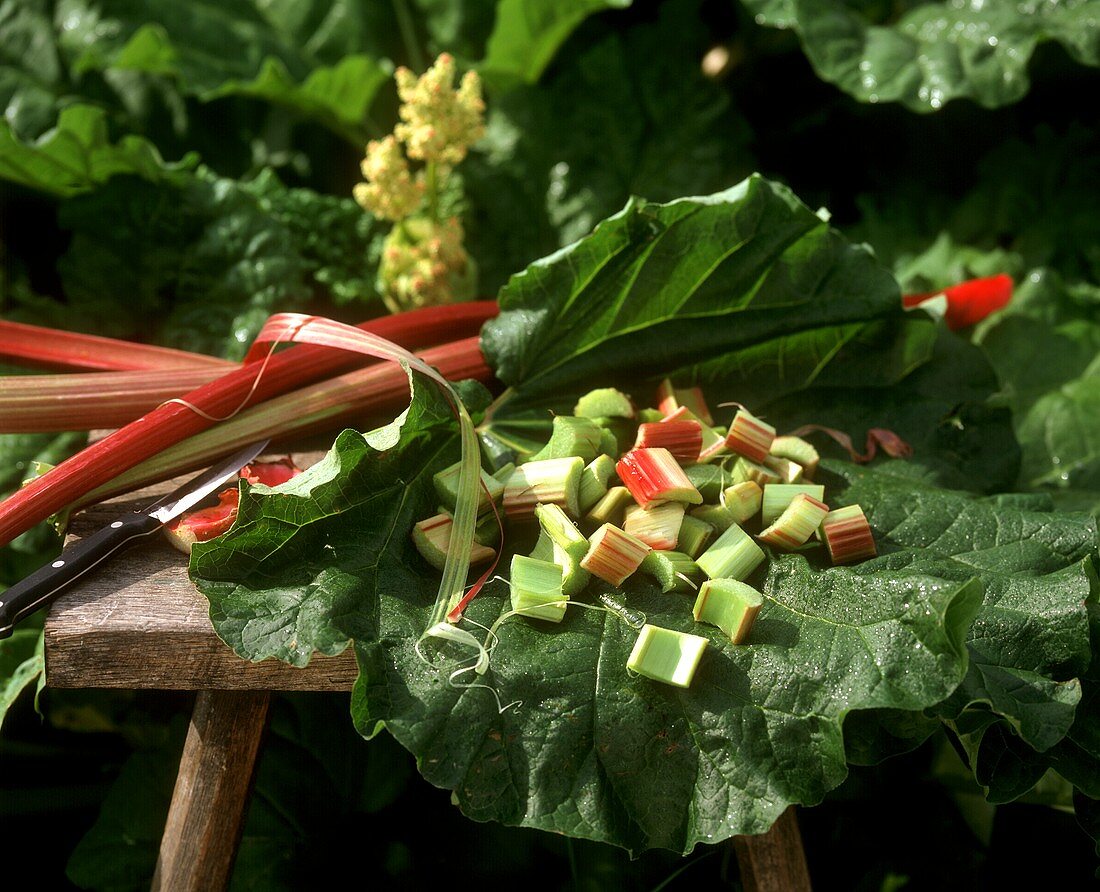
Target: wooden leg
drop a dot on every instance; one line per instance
(212, 790)
(774, 861)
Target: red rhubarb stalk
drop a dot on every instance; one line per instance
(355, 399)
(971, 301)
(44, 403)
(172, 422)
(49, 348)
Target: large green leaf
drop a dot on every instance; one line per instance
(21, 662)
(1029, 645)
(304, 615)
(527, 34)
(78, 154)
(624, 112)
(660, 287)
(200, 262)
(591, 751)
(1045, 348)
(306, 57)
(925, 54)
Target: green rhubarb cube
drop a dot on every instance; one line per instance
(666, 655)
(537, 589)
(729, 604)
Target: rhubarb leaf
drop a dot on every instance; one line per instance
(590, 750)
(21, 662)
(925, 54)
(307, 58)
(660, 287)
(662, 130)
(1029, 645)
(577, 756)
(78, 154)
(940, 405)
(1045, 347)
(347, 507)
(203, 260)
(527, 34)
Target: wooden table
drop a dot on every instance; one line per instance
(141, 624)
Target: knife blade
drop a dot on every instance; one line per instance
(46, 584)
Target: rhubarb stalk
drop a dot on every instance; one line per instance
(168, 424)
(60, 350)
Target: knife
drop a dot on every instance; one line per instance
(45, 585)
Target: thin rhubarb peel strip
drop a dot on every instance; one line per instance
(142, 439)
(891, 443)
(344, 401)
(323, 332)
(60, 350)
(42, 403)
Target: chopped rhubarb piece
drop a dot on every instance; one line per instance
(797, 450)
(713, 444)
(555, 481)
(717, 516)
(695, 533)
(788, 471)
(729, 604)
(749, 436)
(670, 398)
(777, 496)
(666, 655)
(432, 538)
(658, 527)
(847, 535)
(571, 436)
(205, 524)
(761, 475)
(673, 570)
(606, 402)
(610, 508)
(742, 500)
(795, 525)
(595, 479)
(561, 530)
(446, 487)
(654, 476)
(536, 589)
(684, 439)
(732, 556)
(613, 554)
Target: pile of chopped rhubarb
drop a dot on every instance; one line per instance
(661, 491)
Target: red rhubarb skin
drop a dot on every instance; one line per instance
(170, 423)
(647, 481)
(849, 540)
(684, 439)
(750, 437)
(969, 302)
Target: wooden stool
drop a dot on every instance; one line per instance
(140, 623)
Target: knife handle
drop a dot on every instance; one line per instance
(44, 585)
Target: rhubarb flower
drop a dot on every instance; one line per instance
(439, 122)
(425, 264)
(390, 190)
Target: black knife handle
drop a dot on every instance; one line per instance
(44, 585)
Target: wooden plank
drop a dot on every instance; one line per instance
(140, 623)
(774, 861)
(212, 791)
